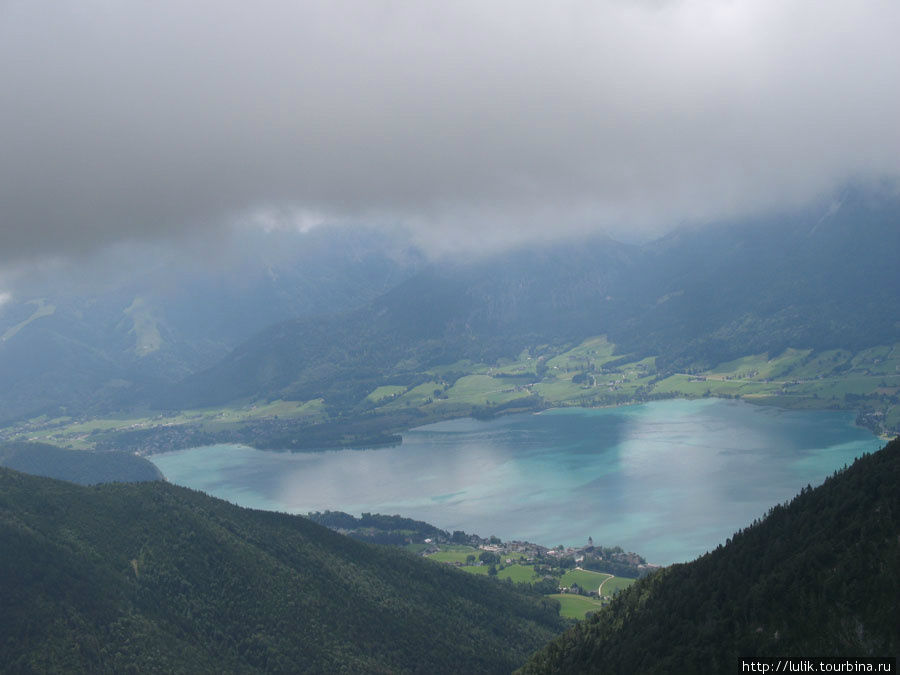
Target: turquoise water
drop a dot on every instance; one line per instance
(669, 480)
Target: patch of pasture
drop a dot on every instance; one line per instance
(416, 396)
(575, 606)
(483, 390)
(454, 553)
(518, 573)
(586, 579)
(614, 585)
(386, 391)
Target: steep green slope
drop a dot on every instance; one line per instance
(152, 577)
(817, 577)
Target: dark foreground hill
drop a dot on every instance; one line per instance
(817, 577)
(79, 466)
(151, 577)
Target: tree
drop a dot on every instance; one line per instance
(488, 558)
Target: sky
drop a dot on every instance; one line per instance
(472, 124)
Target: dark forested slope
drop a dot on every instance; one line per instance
(152, 577)
(79, 466)
(817, 577)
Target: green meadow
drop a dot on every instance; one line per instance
(576, 606)
(588, 374)
(515, 573)
(614, 585)
(589, 581)
(452, 554)
(518, 574)
(387, 391)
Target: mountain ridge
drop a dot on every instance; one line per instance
(695, 298)
(159, 578)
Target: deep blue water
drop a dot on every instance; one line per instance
(669, 480)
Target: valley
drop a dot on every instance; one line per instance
(590, 374)
(295, 299)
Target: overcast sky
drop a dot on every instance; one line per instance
(471, 122)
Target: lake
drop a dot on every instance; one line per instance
(669, 479)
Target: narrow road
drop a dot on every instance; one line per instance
(600, 589)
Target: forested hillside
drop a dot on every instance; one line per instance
(155, 578)
(77, 466)
(816, 577)
(819, 279)
(72, 341)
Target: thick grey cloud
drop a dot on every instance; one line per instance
(471, 122)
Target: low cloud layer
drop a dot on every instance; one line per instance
(472, 123)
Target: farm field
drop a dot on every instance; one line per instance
(82, 434)
(515, 573)
(452, 554)
(585, 579)
(385, 392)
(589, 374)
(575, 606)
(614, 585)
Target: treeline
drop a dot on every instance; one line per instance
(619, 569)
(378, 528)
(79, 466)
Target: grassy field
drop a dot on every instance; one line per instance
(594, 352)
(145, 328)
(588, 374)
(415, 548)
(483, 390)
(518, 573)
(385, 392)
(589, 581)
(576, 606)
(614, 585)
(42, 310)
(525, 365)
(78, 433)
(573, 606)
(450, 554)
(417, 396)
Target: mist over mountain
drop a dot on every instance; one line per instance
(141, 319)
(333, 312)
(820, 278)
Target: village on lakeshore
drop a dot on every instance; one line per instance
(581, 578)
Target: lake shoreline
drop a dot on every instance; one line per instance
(573, 463)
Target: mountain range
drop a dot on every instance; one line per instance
(815, 279)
